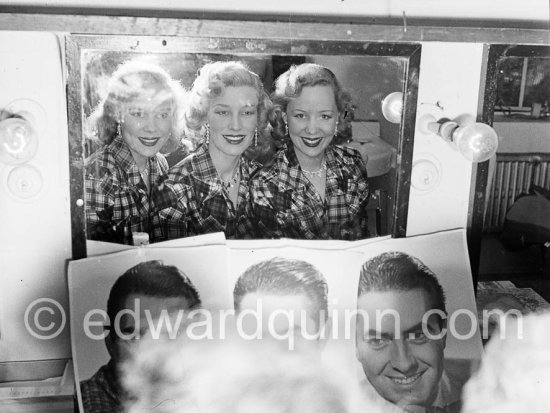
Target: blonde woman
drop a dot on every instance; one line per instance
(209, 191)
(141, 113)
(313, 189)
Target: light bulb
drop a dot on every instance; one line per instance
(477, 142)
(18, 141)
(392, 107)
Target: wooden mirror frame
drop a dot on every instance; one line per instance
(77, 44)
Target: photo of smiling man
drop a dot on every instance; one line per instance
(401, 335)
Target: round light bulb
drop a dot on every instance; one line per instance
(392, 107)
(477, 142)
(18, 141)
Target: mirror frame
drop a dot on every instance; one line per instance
(495, 52)
(76, 44)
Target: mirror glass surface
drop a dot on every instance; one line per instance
(523, 87)
(516, 104)
(369, 71)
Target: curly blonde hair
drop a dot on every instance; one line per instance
(126, 84)
(210, 83)
(289, 85)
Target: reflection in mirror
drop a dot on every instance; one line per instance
(517, 95)
(368, 72)
(523, 87)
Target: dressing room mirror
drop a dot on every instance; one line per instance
(369, 71)
(516, 103)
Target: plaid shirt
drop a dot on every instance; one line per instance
(192, 200)
(286, 204)
(100, 393)
(117, 200)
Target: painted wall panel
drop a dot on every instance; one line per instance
(497, 10)
(523, 136)
(448, 87)
(35, 229)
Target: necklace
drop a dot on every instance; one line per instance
(318, 172)
(145, 172)
(145, 177)
(231, 182)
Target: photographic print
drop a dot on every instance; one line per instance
(129, 290)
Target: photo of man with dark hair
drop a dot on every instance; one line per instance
(401, 334)
(140, 295)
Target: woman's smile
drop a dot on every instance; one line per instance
(234, 139)
(311, 142)
(146, 141)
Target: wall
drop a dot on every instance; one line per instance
(528, 11)
(35, 233)
(450, 76)
(523, 136)
(39, 232)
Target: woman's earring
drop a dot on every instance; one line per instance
(336, 129)
(256, 137)
(118, 129)
(286, 129)
(207, 134)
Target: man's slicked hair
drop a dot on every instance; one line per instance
(284, 276)
(398, 271)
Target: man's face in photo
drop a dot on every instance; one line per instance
(140, 313)
(282, 316)
(401, 362)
